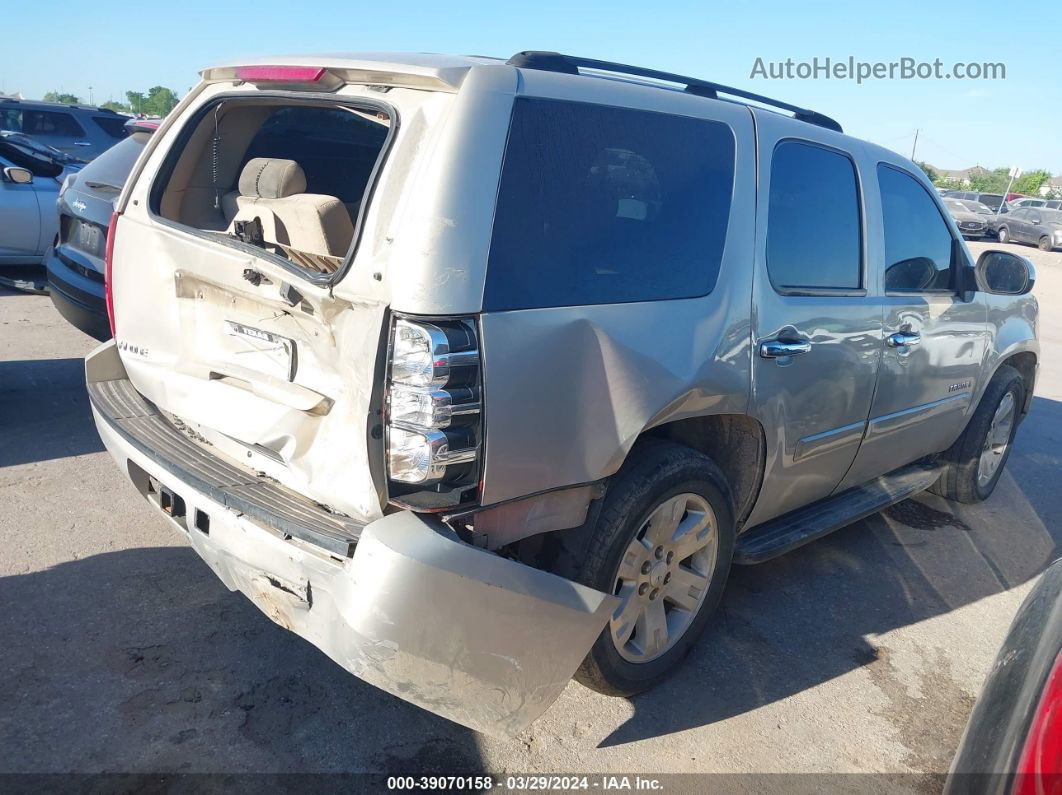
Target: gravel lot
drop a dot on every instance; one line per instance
(122, 653)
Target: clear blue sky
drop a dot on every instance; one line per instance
(116, 46)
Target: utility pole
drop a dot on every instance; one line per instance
(914, 145)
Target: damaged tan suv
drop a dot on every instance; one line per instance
(478, 374)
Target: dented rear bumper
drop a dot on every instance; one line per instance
(479, 639)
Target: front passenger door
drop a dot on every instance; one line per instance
(934, 335)
(21, 215)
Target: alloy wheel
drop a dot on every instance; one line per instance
(997, 440)
(664, 576)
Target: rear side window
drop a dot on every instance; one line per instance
(114, 126)
(110, 169)
(813, 228)
(603, 205)
(918, 243)
(47, 122)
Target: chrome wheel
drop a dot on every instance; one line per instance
(663, 577)
(997, 440)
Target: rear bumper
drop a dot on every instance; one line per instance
(479, 639)
(79, 299)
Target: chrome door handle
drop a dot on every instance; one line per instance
(776, 349)
(903, 339)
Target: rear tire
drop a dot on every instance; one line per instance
(974, 464)
(1003, 235)
(666, 501)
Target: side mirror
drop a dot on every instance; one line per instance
(1004, 273)
(20, 176)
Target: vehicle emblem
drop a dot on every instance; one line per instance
(79, 205)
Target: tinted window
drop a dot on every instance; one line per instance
(114, 126)
(918, 243)
(47, 122)
(993, 200)
(813, 236)
(110, 169)
(11, 120)
(336, 147)
(607, 205)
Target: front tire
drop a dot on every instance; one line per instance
(663, 542)
(1003, 235)
(974, 464)
(1045, 243)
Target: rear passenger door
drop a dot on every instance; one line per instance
(934, 335)
(816, 329)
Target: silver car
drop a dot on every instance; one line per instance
(31, 179)
(1038, 226)
(478, 374)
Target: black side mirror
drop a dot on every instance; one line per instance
(1004, 273)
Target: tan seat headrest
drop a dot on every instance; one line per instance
(271, 178)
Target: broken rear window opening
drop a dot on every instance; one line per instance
(288, 177)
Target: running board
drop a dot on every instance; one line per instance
(804, 525)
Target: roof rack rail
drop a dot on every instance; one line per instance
(570, 64)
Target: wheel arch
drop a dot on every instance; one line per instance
(735, 442)
(1025, 362)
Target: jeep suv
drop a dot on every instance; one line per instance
(478, 373)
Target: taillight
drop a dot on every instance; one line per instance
(108, 271)
(433, 407)
(1040, 768)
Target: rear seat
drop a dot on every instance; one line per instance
(273, 190)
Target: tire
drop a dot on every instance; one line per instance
(1003, 235)
(963, 479)
(665, 477)
(1045, 243)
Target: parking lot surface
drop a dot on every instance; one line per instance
(121, 652)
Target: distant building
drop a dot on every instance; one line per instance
(963, 175)
(16, 95)
(1053, 187)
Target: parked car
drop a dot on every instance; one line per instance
(970, 223)
(1013, 741)
(469, 410)
(84, 131)
(31, 178)
(1039, 227)
(1027, 201)
(75, 263)
(993, 200)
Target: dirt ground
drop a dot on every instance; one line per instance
(121, 652)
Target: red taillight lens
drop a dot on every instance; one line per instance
(108, 272)
(1040, 769)
(280, 74)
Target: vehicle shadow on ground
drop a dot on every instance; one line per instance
(44, 411)
(141, 661)
(798, 621)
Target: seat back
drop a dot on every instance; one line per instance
(273, 190)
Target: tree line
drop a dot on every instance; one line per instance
(157, 101)
(993, 180)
